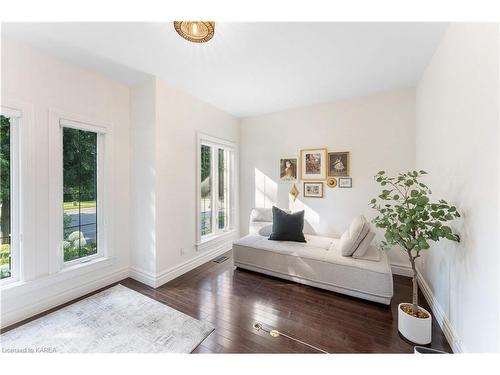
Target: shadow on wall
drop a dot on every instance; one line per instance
(310, 215)
(266, 190)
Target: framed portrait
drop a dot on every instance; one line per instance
(313, 164)
(338, 164)
(288, 169)
(345, 182)
(313, 190)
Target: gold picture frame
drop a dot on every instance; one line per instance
(338, 164)
(331, 182)
(319, 194)
(313, 164)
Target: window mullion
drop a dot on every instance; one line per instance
(227, 202)
(215, 192)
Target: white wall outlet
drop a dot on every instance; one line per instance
(182, 251)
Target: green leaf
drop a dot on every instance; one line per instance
(422, 200)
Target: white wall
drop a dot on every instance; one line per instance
(38, 84)
(180, 118)
(143, 170)
(165, 123)
(377, 130)
(457, 143)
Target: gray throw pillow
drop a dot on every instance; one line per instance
(287, 227)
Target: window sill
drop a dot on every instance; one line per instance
(75, 265)
(210, 240)
(14, 289)
(5, 285)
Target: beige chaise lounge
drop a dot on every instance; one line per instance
(317, 263)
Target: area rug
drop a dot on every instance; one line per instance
(117, 320)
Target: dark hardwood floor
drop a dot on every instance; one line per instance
(232, 300)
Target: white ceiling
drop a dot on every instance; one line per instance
(249, 68)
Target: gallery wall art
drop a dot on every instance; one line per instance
(338, 164)
(313, 164)
(288, 169)
(313, 189)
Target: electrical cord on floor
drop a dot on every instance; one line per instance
(275, 333)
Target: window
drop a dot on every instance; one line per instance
(9, 207)
(81, 198)
(216, 170)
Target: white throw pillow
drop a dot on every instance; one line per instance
(261, 214)
(364, 231)
(266, 230)
(363, 245)
(350, 238)
(372, 254)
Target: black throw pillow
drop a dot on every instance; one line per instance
(287, 227)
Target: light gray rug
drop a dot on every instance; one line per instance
(117, 320)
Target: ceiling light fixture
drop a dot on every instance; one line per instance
(195, 31)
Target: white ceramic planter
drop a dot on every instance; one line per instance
(416, 330)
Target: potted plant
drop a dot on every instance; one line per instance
(410, 220)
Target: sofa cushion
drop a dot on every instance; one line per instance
(287, 227)
(319, 242)
(363, 245)
(316, 247)
(350, 239)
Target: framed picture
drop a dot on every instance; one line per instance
(313, 190)
(313, 164)
(338, 164)
(345, 182)
(288, 169)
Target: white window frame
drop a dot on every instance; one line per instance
(215, 144)
(15, 117)
(101, 177)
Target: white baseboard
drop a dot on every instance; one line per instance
(14, 316)
(142, 276)
(169, 274)
(402, 270)
(440, 316)
(176, 271)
